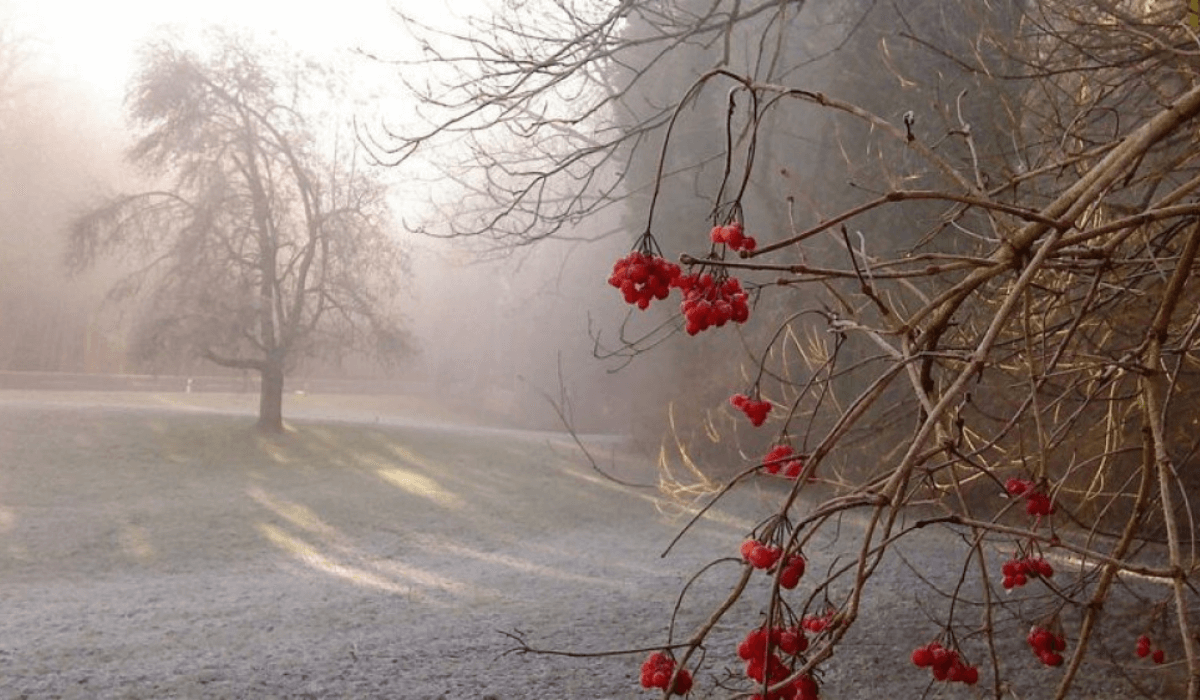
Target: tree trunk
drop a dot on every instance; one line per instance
(270, 401)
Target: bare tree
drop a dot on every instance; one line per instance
(258, 251)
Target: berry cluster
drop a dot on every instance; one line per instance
(1047, 645)
(770, 668)
(945, 664)
(790, 641)
(782, 458)
(734, 237)
(760, 556)
(1018, 571)
(1143, 650)
(756, 411)
(657, 671)
(711, 303)
(642, 277)
(763, 556)
(708, 301)
(1036, 503)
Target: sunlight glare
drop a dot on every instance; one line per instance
(295, 513)
(420, 485)
(308, 554)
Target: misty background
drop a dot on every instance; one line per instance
(502, 325)
(494, 327)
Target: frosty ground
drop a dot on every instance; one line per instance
(155, 546)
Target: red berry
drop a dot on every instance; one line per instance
(1016, 487)
(1039, 639)
(806, 688)
(957, 669)
(922, 657)
(792, 642)
(764, 557)
(754, 646)
(794, 468)
(1159, 656)
(792, 571)
(683, 682)
(817, 623)
(734, 237)
(1038, 504)
(774, 460)
(943, 659)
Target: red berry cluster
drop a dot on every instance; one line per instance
(657, 671)
(1018, 571)
(756, 411)
(734, 237)
(763, 556)
(945, 664)
(782, 458)
(642, 277)
(1047, 645)
(770, 668)
(1143, 650)
(790, 641)
(760, 556)
(1036, 502)
(711, 303)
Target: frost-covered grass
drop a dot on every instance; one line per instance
(155, 546)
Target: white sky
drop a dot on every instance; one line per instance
(96, 42)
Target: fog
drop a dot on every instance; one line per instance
(500, 330)
(508, 331)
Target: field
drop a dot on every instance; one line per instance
(155, 546)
